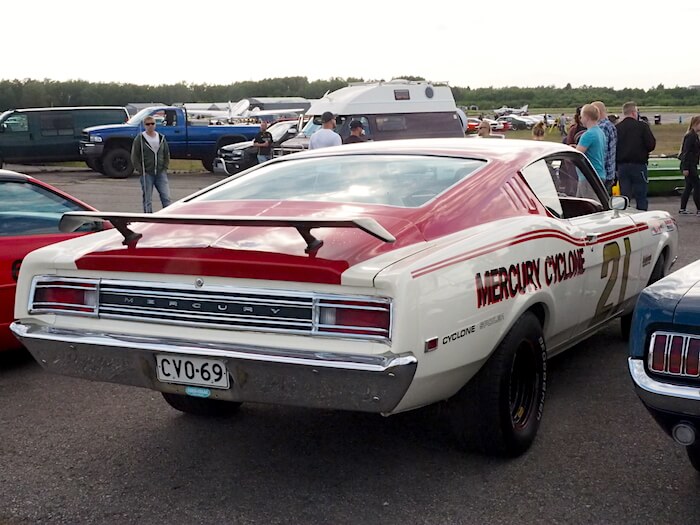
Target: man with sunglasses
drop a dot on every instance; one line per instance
(150, 156)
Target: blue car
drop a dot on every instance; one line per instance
(665, 355)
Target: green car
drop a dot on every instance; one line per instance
(665, 176)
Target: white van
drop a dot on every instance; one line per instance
(398, 109)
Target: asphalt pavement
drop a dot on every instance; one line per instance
(74, 451)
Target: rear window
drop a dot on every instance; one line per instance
(396, 180)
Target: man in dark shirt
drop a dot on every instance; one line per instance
(356, 130)
(263, 141)
(634, 143)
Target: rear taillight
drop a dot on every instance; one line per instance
(355, 318)
(54, 295)
(674, 354)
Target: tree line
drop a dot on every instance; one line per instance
(40, 93)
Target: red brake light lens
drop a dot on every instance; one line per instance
(64, 296)
(355, 318)
(675, 354)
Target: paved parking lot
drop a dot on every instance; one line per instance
(72, 451)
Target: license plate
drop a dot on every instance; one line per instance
(188, 370)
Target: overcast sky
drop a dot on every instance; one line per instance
(475, 43)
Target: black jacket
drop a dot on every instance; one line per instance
(690, 151)
(634, 141)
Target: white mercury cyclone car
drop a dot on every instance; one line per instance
(377, 277)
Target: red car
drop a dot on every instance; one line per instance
(29, 215)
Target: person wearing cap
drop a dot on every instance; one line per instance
(326, 136)
(356, 131)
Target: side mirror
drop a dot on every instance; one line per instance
(619, 202)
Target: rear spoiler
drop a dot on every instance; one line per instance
(73, 220)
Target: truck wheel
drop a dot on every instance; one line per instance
(201, 407)
(498, 411)
(656, 274)
(95, 165)
(208, 163)
(117, 163)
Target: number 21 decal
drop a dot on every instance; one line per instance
(610, 269)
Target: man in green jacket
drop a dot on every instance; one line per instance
(150, 156)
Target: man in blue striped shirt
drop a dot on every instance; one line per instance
(610, 133)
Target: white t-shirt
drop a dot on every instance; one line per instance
(324, 138)
(153, 142)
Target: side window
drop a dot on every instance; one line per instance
(391, 123)
(539, 177)
(18, 123)
(367, 130)
(159, 116)
(563, 186)
(170, 118)
(56, 123)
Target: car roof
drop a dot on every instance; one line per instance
(521, 151)
(9, 175)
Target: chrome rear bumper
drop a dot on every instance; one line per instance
(366, 383)
(667, 397)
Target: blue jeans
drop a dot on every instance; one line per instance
(160, 181)
(263, 158)
(633, 183)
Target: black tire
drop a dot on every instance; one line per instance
(95, 165)
(117, 163)
(625, 326)
(693, 452)
(208, 163)
(499, 410)
(659, 270)
(657, 273)
(201, 407)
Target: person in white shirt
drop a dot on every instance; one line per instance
(325, 137)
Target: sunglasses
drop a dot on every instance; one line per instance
(150, 123)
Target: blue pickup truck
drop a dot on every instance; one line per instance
(107, 149)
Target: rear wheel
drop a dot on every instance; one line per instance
(200, 406)
(117, 163)
(498, 411)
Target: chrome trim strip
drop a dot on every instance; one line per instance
(663, 396)
(369, 363)
(299, 300)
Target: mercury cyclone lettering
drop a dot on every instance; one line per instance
(563, 266)
(504, 283)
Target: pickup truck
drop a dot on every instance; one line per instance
(107, 149)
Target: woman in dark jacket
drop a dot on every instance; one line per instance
(690, 157)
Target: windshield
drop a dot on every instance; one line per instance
(398, 180)
(310, 128)
(136, 119)
(278, 130)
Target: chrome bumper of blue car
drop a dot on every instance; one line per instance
(667, 397)
(366, 383)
